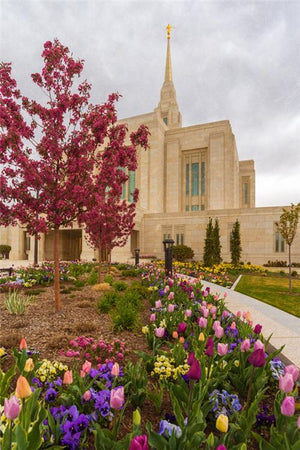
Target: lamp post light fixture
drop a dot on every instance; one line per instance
(168, 247)
(137, 256)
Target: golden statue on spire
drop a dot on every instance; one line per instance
(168, 27)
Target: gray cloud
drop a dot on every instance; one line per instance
(231, 60)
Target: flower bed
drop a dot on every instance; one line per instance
(206, 374)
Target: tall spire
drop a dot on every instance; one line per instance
(168, 107)
(168, 71)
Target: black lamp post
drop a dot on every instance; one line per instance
(168, 247)
(137, 256)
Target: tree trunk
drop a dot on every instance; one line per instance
(56, 269)
(99, 266)
(109, 261)
(290, 271)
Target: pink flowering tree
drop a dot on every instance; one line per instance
(109, 220)
(55, 153)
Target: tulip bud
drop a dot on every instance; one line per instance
(181, 340)
(175, 335)
(293, 370)
(222, 423)
(115, 370)
(117, 398)
(87, 396)
(136, 418)
(201, 337)
(286, 383)
(152, 318)
(29, 365)
(22, 389)
(23, 344)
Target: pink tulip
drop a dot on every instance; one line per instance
(213, 310)
(298, 422)
(86, 368)
(159, 332)
(202, 322)
(205, 294)
(68, 377)
(233, 326)
(192, 295)
(188, 312)
(288, 406)
(238, 314)
(293, 370)
(152, 318)
(117, 397)
(222, 349)
(245, 345)
(171, 308)
(225, 294)
(216, 298)
(11, 408)
(87, 396)
(225, 313)
(167, 288)
(203, 304)
(216, 324)
(115, 370)
(286, 383)
(170, 282)
(171, 296)
(206, 312)
(259, 345)
(219, 332)
(158, 304)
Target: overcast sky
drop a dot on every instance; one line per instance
(236, 60)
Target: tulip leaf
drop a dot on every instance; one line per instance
(20, 437)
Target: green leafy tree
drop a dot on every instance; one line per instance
(182, 252)
(216, 244)
(235, 244)
(208, 255)
(287, 227)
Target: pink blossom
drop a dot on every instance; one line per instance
(152, 318)
(117, 397)
(167, 288)
(219, 332)
(298, 422)
(288, 406)
(11, 407)
(206, 312)
(225, 313)
(87, 396)
(202, 322)
(286, 383)
(171, 308)
(213, 310)
(204, 303)
(239, 313)
(158, 304)
(171, 296)
(86, 368)
(233, 326)
(216, 324)
(160, 332)
(188, 312)
(245, 345)
(115, 370)
(259, 345)
(222, 349)
(293, 370)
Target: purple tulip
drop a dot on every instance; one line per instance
(11, 408)
(288, 406)
(257, 329)
(139, 443)
(181, 327)
(209, 347)
(257, 358)
(221, 447)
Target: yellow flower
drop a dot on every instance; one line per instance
(201, 337)
(29, 365)
(222, 423)
(236, 363)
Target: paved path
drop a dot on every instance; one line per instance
(284, 327)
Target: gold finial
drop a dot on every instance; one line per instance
(168, 27)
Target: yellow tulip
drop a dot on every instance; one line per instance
(201, 337)
(23, 389)
(222, 423)
(29, 365)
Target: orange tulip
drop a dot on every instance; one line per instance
(181, 339)
(175, 335)
(23, 344)
(23, 389)
(68, 377)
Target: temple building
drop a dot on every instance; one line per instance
(188, 175)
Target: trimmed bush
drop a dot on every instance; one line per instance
(4, 251)
(182, 252)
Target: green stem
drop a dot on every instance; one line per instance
(10, 434)
(250, 387)
(192, 382)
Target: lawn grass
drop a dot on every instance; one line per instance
(273, 291)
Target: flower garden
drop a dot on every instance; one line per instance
(199, 376)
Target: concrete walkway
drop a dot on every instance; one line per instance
(284, 327)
